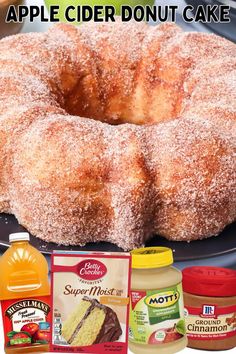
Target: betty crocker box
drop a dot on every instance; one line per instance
(90, 302)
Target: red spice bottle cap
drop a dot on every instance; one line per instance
(209, 281)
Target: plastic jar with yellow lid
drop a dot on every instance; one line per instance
(156, 310)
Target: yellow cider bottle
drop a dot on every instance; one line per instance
(25, 297)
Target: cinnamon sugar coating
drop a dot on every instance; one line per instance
(115, 132)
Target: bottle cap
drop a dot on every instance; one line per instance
(19, 236)
(152, 257)
(209, 281)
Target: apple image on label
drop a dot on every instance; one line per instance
(157, 337)
(41, 335)
(164, 336)
(172, 335)
(20, 339)
(116, 3)
(31, 328)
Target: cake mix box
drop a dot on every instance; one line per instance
(90, 302)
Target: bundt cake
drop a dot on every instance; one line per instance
(154, 152)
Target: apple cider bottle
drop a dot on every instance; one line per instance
(25, 297)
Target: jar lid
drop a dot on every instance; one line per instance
(151, 257)
(19, 236)
(209, 281)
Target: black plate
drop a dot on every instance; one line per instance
(227, 29)
(214, 246)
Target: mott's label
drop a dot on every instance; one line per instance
(157, 316)
(26, 321)
(160, 300)
(210, 322)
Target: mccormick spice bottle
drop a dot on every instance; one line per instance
(156, 311)
(24, 295)
(210, 303)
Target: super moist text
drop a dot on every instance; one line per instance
(93, 291)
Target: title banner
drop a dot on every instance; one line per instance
(99, 13)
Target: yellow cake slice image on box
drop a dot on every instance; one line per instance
(91, 323)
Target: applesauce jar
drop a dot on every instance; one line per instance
(157, 322)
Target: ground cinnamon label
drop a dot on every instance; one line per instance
(210, 307)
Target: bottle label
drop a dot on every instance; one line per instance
(210, 322)
(157, 316)
(26, 321)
